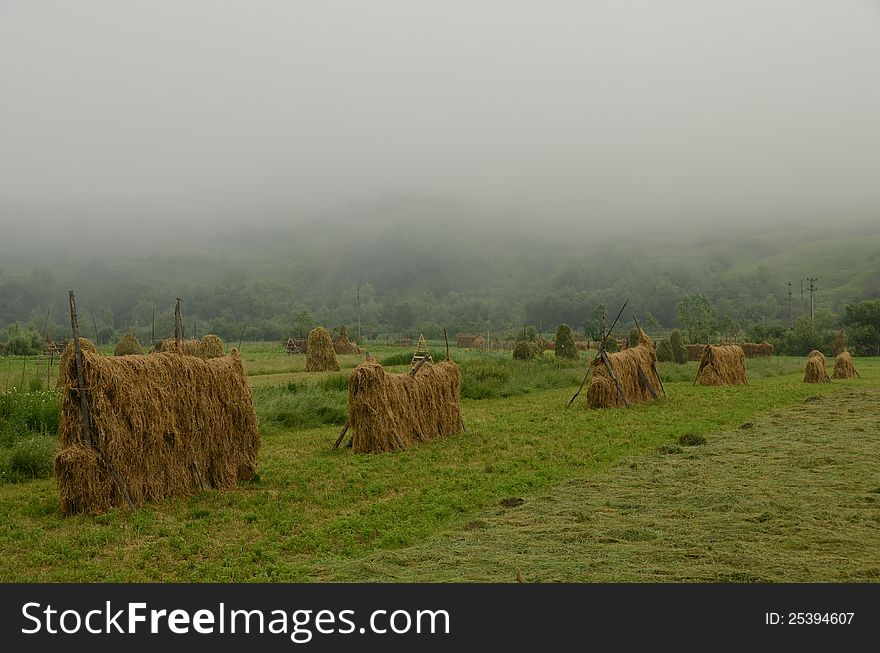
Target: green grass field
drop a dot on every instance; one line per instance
(605, 495)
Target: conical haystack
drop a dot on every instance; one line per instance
(342, 345)
(128, 345)
(320, 355)
(722, 365)
(843, 366)
(632, 367)
(815, 371)
(211, 346)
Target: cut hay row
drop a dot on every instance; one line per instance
(843, 366)
(815, 371)
(722, 365)
(695, 352)
(210, 346)
(631, 367)
(169, 424)
(393, 411)
(342, 345)
(320, 355)
(756, 349)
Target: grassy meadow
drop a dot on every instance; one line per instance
(785, 486)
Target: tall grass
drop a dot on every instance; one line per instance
(28, 431)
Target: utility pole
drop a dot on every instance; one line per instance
(803, 303)
(790, 319)
(360, 339)
(813, 289)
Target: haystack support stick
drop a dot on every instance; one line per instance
(84, 403)
(653, 365)
(601, 349)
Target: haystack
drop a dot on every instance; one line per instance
(186, 347)
(564, 344)
(757, 349)
(843, 366)
(722, 365)
(211, 346)
(631, 367)
(342, 345)
(464, 340)
(128, 345)
(479, 342)
(393, 411)
(320, 355)
(170, 425)
(815, 371)
(695, 352)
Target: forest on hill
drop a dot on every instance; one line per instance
(393, 279)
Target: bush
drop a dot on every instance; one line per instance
(664, 352)
(610, 344)
(23, 341)
(676, 343)
(401, 358)
(564, 345)
(634, 337)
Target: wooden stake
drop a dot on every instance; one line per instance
(447, 343)
(241, 336)
(646, 382)
(178, 326)
(614, 378)
(85, 420)
(341, 435)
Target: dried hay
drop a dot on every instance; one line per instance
(342, 345)
(757, 349)
(815, 371)
(186, 347)
(212, 347)
(393, 411)
(464, 341)
(695, 352)
(170, 425)
(843, 366)
(128, 345)
(722, 365)
(479, 342)
(602, 391)
(320, 355)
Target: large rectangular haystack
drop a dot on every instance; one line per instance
(393, 411)
(843, 366)
(170, 425)
(815, 371)
(695, 352)
(757, 349)
(634, 368)
(722, 365)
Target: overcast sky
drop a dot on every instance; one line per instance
(631, 110)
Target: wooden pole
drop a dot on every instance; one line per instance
(614, 378)
(23, 366)
(341, 435)
(178, 326)
(153, 332)
(85, 420)
(94, 326)
(241, 336)
(447, 343)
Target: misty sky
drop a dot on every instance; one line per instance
(631, 110)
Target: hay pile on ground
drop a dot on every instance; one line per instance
(694, 352)
(757, 349)
(815, 371)
(626, 364)
(722, 365)
(393, 411)
(320, 355)
(843, 366)
(342, 345)
(170, 424)
(211, 346)
(128, 345)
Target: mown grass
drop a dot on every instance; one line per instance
(787, 500)
(313, 510)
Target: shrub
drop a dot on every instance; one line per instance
(610, 344)
(664, 352)
(676, 343)
(564, 345)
